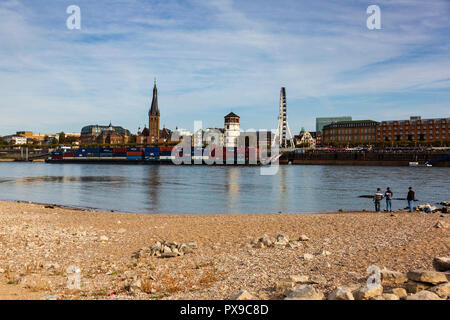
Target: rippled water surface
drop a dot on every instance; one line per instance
(221, 189)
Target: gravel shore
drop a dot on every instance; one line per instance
(38, 243)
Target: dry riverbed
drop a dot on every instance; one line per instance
(39, 243)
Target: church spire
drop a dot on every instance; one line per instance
(154, 110)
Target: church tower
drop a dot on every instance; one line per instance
(153, 117)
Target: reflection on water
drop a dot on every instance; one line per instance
(221, 189)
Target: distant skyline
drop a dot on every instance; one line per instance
(216, 56)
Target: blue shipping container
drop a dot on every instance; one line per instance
(119, 154)
(93, 150)
(134, 158)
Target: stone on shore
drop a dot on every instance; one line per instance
(283, 285)
(441, 263)
(414, 286)
(392, 278)
(400, 292)
(442, 290)
(423, 295)
(136, 286)
(243, 295)
(299, 278)
(282, 239)
(303, 292)
(317, 279)
(308, 257)
(432, 277)
(367, 292)
(341, 293)
(303, 237)
(386, 296)
(442, 224)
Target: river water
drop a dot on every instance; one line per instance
(217, 189)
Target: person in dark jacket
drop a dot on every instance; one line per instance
(377, 199)
(410, 197)
(388, 195)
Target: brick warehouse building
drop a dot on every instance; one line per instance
(368, 131)
(349, 131)
(414, 129)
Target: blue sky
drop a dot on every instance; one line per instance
(213, 57)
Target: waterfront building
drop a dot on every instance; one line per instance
(15, 139)
(33, 137)
(305, 139)
(95, 134)
(231, 130)
(355, 131)
(321, 122)
(414, 129)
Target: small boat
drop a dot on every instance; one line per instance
(417, 164)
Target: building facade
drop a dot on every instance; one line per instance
(414, 129)
(231, 130)
(305, 139)
(355, 131)
(95, 134)
(368, 131)
(15, 139)
(321, 122)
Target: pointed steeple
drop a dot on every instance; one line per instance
(154, 110)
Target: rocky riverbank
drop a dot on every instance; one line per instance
(43, 249)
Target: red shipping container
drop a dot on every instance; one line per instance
(166, 149)
(68, 155)
(57, 157)
(134, 153)
(119, 150)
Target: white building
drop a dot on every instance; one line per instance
(15, 139)
(231, 130)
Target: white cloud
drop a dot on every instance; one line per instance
(236, 57)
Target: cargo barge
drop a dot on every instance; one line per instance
(157, 155)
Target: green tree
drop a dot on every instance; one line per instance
(62, 137)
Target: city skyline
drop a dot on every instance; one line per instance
(214, 57)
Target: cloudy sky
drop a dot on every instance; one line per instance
(211, 57)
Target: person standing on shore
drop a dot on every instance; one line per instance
(388, 195)
(377, 199)
(410, 197)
